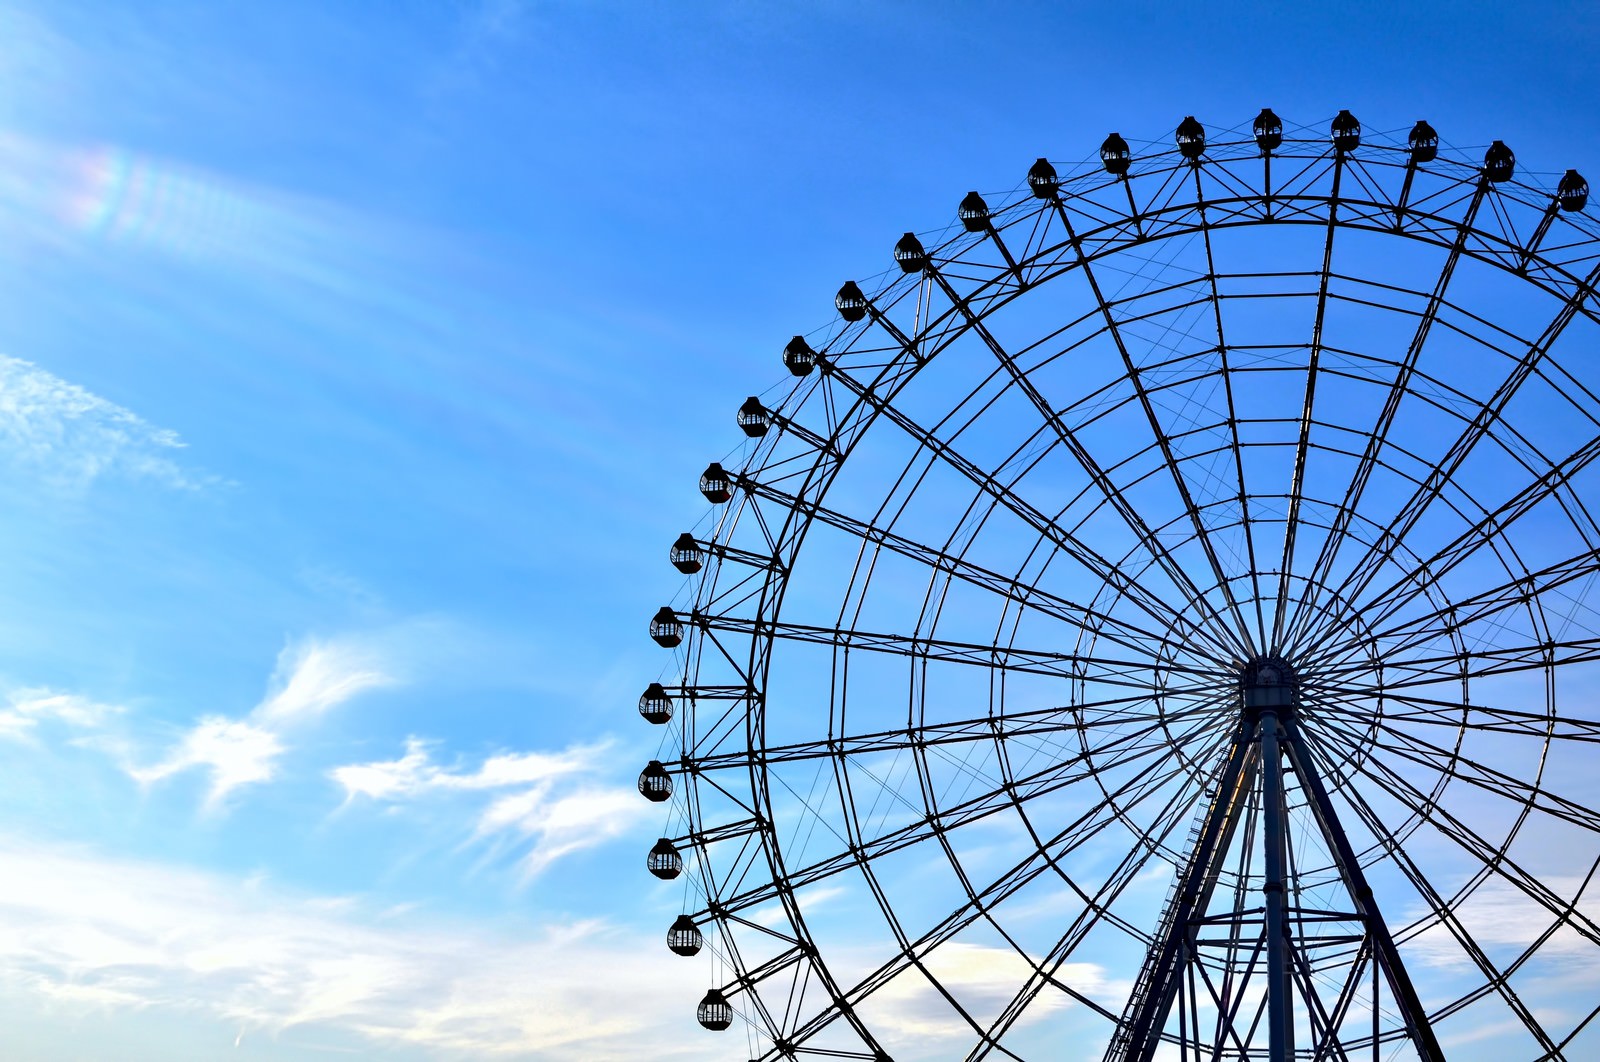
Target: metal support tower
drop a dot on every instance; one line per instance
(1278, 936)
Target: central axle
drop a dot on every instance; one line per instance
(1268, 683)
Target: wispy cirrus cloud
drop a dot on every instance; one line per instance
(553, 801)
(919, 1022)
(560, 825)
(27, 709)
(415, 773)
(69, 436)
(1502, 918)
(95, 935)
(312, 678)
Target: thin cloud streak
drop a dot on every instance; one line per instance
(311, 679)
(415, 773)
(557, 806)
(70, 437)
(1500, 916)
(314, 677)
(27, 709)
(919, 1021)
(96, 934)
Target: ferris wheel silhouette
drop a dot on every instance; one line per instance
(1157, 620)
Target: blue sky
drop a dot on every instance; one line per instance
(356, 365)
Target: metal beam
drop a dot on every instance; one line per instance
(1355, 882)
(1139, 1032)
(1280, 986)
(1268, 740)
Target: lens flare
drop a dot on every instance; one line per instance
(121, 196)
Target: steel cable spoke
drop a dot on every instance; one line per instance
(1497, 980)
(1297, 487)
(1106, 669)
(1389, 601)
(1162, 612)
(1119, 751)
(1491, 719)
(1485, 605)
(1233, 420)
(1239, 628)
(1490, 780)
(1306, 607)
(984, 900)
(1415, 507)
(1011, 727)
(1097, 475)
(1167, 820)
(1099, 623)
(1473, 843)
(1480, 664)
(1450, 762)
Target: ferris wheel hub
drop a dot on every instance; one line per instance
(1268, 683)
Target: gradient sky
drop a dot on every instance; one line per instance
(357, 362)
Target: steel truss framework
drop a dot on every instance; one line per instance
(968, 744)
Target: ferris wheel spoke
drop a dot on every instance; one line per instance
(1098, 476)
(1408, 746)
(1335, 620)
(1233, 424)
(1424, 576)
(1096, 908)
(1114, 671)
(1479, 664)
(1480, 610)
(1092, 621)
(1306, 608)
(1237, 631)
(1493, 857)
(982, 901)
(1045, 969)
(1166, 615)
(1496, 980)
(1017, 727)
(1291, 528)
(1430, 711)
(1355, 584)
(1115, 752)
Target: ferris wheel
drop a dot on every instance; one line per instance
(1158, 621)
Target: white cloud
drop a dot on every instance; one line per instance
(311, 679)
(773, 916)
(415, 773)
(27, 708)
(92, 934)
(71, 437)
(1503, 919)
(910, 1011)
(1515, 1027)
(560, 826)
(235, 753)
(390, 780)
(556, 804)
